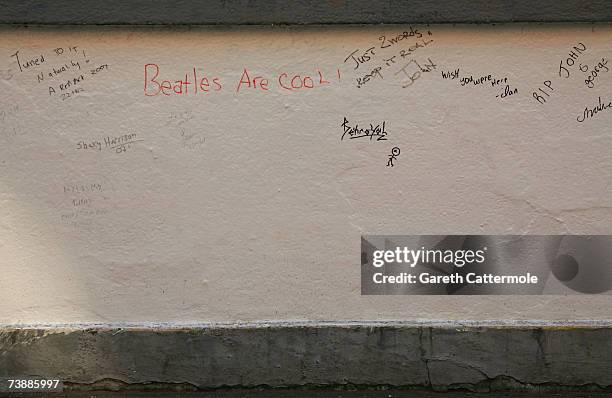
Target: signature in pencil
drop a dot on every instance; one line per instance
(121, 143)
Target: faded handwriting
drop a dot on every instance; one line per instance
(190, 139)
(9, 120)
(83, 201)
(83, 188)
(414, 75)
(6, 74)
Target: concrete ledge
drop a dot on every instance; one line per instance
(435, 356)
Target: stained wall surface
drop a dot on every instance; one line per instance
(211, 174)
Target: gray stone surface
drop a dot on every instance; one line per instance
(439, 358)
(300, 12)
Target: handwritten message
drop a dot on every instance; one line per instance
(62, 70)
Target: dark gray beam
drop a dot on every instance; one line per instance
(226, 12)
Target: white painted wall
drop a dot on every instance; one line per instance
(242, 206)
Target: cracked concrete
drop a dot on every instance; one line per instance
(486, 358)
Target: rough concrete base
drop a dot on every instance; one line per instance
(307, 393)
(388, 355)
